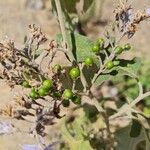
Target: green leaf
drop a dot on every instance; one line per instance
(125, 142)
(80, 45)
(127, 67)
(135, 128)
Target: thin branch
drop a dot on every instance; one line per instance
(139, 98)
(63, 29)
(132, 104)
(82, 77)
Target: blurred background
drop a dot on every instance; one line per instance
(15, 16)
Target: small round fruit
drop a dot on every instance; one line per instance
(33, 94)
(56, 94)
(101, 42)
(76, 99)
(74, 73)
(42, 92)
(65, 103)
(89, 61)
(118, 50)
(127, 46)
(96, 49)
(56, 68)
(26, 84)
(47, 84)
(109, 65)
(68, 94)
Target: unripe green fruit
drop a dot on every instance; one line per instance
(76, 99)
(101, 42)
(47, 84)
(74, 73)
(56, 94)
(89, 61)
(118, 50)
(33, 94)
(68, 94)
(109, 65)
(42, 91)
(26, 84)
(127, 46)
(65, 103)
(96, 48)
(56, 68)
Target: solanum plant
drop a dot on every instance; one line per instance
(76, 85)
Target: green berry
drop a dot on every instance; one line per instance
(68, 94)
(96, 49)
(101, 42)
(127, 46)
(56, 68)
(89, 61)
(42, 91)
(56, 94)
(74, 73)
(26, 84)
(76, 99)
(118, 50)
(33, 94)
(47, 84)
(65, 103)
(109, 65)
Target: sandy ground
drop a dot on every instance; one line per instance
(14, 20)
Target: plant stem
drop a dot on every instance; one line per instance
(63, 29)
(125, 109)
(139, 98)
(82, 77)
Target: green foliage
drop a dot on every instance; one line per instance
(125, 141)
(75, 132)
(81, 46)
(125, 68)
(135, 128)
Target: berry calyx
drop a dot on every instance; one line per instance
(89, 61)
(47, 84)
(109, 65)
(74, 73)
(118, 50)
(67, 94)
(26, 84)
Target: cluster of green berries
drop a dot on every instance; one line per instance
(119, 49)
(42, 91)
(69, 95)
(99, 45)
